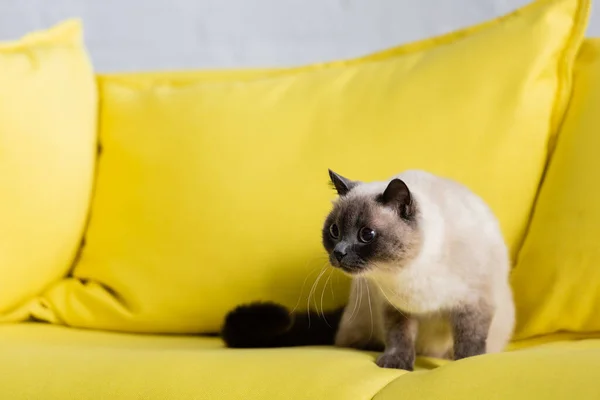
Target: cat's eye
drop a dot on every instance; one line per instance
(334, 231)
(366, 235)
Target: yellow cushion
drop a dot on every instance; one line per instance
(557, 278)
(212, 192)
(48, 111)
(57, 363)
(557, 371)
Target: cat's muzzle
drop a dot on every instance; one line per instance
(348, 263)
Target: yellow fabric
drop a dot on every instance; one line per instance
(48, 111)
(557, 371)
(212, 192)
(557, 278)
(58, 363)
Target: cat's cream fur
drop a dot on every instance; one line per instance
(458, 258)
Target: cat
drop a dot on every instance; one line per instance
(430, 276)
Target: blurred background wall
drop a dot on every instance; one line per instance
(137, 35)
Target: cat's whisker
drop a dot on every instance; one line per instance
(355, 303)
(370, 310)
(312, 292)
(308, 299)
(302, 289)
(331, 286)
(388, 299)
(359, 297)
(325, 269)
(322, 293)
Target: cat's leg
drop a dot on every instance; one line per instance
(400, 334)
(360, 325)
(470, 327)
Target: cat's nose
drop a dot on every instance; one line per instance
(339, 254)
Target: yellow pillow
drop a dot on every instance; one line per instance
(48, 111)
(212, 192)
(557, 277)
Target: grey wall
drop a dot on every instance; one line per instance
(130, 35)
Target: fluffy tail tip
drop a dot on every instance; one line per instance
(256, 325)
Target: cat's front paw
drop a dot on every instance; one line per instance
(396, 361)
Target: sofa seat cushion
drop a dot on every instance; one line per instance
(50, 362)
(57, 363)
(556, 370)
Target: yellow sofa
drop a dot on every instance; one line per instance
(140, 208)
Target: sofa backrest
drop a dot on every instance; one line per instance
(212, 187)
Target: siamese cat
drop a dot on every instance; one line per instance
(430, 273)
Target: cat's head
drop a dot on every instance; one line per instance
(371, 227)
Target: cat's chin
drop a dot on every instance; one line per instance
(352, 270)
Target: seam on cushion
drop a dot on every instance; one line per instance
(403, 49)
(564, 91)
(567, 59)
(18, 313)
(384, 387)
(547, 338)
(95, 173)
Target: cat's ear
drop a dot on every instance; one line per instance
(342, 185)
(397, 195)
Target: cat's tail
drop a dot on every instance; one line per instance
(259, 324)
